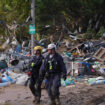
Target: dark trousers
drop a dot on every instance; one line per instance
(52, 85)
(34, 86)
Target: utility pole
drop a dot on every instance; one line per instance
(33, 23)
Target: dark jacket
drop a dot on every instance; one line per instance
(35, 65)
(53, 65)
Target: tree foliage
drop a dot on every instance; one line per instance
(74, 14)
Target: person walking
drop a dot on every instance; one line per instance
(53, 68)
(36, 62)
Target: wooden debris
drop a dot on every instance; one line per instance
(100, 54)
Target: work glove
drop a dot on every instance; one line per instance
(64, 77)
(29, 73)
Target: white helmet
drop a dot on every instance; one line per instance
(51, 46)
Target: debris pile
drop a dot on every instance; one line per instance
(84, 59)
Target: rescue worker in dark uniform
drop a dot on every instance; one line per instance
(52, 69)
(36, 63)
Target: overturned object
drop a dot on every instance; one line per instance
(14, 62)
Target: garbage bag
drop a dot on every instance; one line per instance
(21, 80)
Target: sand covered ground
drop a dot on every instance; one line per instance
(79, 94)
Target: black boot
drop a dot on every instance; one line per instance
(52, 101)
(34, 99)
(37, 100)
(57, 100)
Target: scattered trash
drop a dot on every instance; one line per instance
(86, 58)
(22, 80)
(102, 70)
(96, 81)
(100, 54)
(4, 84)
(6, 79)
(68, 81)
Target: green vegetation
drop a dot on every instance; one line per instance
(89, 34)
(100, 33)
(89, 15)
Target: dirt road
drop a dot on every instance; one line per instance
(79, 94)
